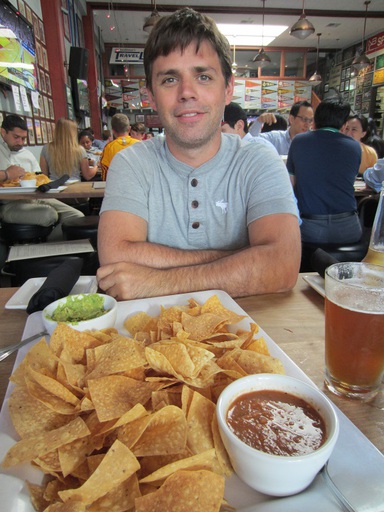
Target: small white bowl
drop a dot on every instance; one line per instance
(28, 183)
(276, 475)
(100, 322)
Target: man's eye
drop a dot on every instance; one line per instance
(204, 78)
(169, 80)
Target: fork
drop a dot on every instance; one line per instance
(6, 351)
(335, 490)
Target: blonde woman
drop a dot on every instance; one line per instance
(64, 155)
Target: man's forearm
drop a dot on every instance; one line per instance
(158, 256)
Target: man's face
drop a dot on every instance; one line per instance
(189, 94)
(137, 135)
(15, 139)
(302, 122)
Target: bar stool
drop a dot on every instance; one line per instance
(342, 252)
(24, 233)
(81, 227)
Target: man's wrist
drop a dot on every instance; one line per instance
(6, 177)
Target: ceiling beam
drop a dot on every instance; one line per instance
(106, 6)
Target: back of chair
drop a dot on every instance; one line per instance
(367, 209)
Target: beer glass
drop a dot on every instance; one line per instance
(354, 329)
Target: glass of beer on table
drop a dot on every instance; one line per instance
(354, 329)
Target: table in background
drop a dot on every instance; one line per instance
(75, 190)
(294, 320)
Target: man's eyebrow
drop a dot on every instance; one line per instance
(196, 69)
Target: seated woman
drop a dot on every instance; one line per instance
(357, 128)
(64, 155)
(86, 140)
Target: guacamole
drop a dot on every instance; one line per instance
(78, 308)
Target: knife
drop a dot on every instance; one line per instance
(6, 351)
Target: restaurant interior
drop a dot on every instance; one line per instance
(123, 410)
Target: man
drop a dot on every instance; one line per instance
(120, 129)
(15, 161)
(197, 210)
(323, 165)
(300, 121)
(138, 131)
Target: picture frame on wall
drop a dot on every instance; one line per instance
(80, 32)
(139, 118)
(42, 84)
(346, 85)
(41, 112)
(49, 132)
(46, 107)
(31, 131)
(51, 111)
(39, 137)
(44, 132)
(67, 30)
(48, 84)
(41, 31)
(341, 87)
(28, 14)
(326, 87)
(21, 7)
(35, 24)
(348, 73)
(45, 58)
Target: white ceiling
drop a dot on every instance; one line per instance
(128, 23)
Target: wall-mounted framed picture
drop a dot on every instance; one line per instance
(41, 112)
(28, 14)
(39, 137)
(67, 30)
(49, 131)
(346, 85)
(35, 23)
(326, 87)
(21, 6)
(46, 107)
(48, 84)
(44, 132)
(31, 131)
(139, 118)
(341, 87)
(41, 31)
(41, 80)
(80, 32)
(348, 73)
(45, 58)
(51, 111)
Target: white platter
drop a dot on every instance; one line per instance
(17, 190)
(20, 300)
(72, 180)
(356, 465)
(316, 282)
(58, 189)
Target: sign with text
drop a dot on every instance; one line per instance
(375, 43)
(127, 56)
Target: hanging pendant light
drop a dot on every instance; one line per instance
(302, 28)
(152, 19)
(316, 79)
(362, 61)
(234, 64)
(262, 58)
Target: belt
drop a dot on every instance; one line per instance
(330, 216)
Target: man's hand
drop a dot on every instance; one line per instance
(266, 118)
(125, 281)
(15, 172)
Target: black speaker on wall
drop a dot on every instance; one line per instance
(78, 63)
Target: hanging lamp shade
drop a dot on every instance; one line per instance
(361, 61)
(302, 28)
(316, 79)
(151, 20)
(261, 58)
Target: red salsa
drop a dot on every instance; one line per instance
(277, 423)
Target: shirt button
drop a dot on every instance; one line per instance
(195, 204)
(194, 182)
(195, 225)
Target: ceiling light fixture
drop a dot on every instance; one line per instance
(234, 65)
(316, 79)
(362, 61)
(302, 28)
(262, 58)
(152, 19)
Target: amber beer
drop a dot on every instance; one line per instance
(354, 329)
(354, 348)
(373, 256)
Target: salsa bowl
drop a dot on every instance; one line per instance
(269, 473)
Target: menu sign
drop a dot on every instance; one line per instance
(375, 43)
